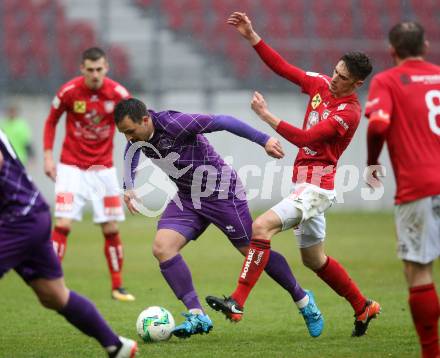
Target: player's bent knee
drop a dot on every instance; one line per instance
(418, 274)
(313, 262)
(260, 228)
(310, 263)
(162, 251)
(53, 300)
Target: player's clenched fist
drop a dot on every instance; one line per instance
(274, 149)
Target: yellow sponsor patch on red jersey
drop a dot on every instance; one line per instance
(79, 106)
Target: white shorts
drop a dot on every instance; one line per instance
(312, 201)
(74, 186)
(418, 230)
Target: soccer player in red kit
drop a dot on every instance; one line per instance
(86, 171)
(331, 119)
(404, 110)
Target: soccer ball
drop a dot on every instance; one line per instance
(155, 324)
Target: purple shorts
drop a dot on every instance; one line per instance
(231, 216)
(26, 247)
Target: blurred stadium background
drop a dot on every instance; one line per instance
(180, 54)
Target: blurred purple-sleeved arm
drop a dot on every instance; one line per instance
(131, 161)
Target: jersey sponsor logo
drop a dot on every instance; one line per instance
(96, 119)
(316, 101)
(340, 121)
(325, 114)
(308, 151)
(312, 119)
(56, 102)
(341, 107)
(94, 98)
(94, 116)
(426, 79)
(79, 107)
(109, 106)
(122, 91)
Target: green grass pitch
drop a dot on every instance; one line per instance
(363, 242)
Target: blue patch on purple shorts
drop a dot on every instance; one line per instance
(231, 216)
(26, 247)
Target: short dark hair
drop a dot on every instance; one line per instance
(358, 64)
(408, 39)
(131, 107)
(93, 54)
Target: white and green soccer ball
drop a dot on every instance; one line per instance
(155, 324)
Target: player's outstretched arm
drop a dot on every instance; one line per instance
(242, 129)
(323, 131)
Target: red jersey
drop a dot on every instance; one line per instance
(90, 125)
(343, 113)
(317, 163)
(408, 96)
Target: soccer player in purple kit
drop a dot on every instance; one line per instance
(26, 247)
(174, 141)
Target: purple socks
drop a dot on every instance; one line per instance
(177, 274)
(278, 269)
(83, 314)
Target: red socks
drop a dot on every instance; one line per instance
(338, 279)
(59, 241)
(114, 256)
(425, 311)
(253, 266)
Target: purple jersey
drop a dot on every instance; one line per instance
(18, 194)
(180, 149)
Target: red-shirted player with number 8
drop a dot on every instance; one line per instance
(404, 109)
(86, 171)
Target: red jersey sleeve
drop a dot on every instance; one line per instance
(308, 81)
(379, 99)
(343, 120)
(278, 64)
(321, 132)
(57, 108)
